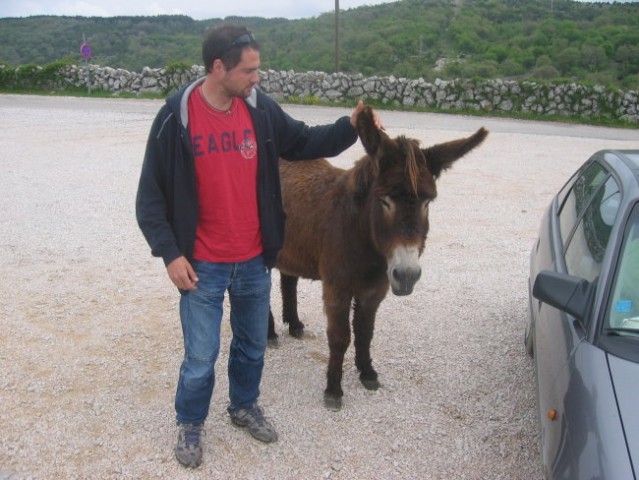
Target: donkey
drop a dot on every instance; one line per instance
(359, 231)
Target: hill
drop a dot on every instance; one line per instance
(547, 39)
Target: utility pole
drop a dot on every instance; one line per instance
(336, 36)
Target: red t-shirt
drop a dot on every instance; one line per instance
(225, 150)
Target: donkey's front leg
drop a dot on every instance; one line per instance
(337, 307)
(364, 311)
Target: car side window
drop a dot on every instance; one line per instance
(587, 245)
(623, 311)
(577, 198)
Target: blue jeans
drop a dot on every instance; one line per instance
(249, 287)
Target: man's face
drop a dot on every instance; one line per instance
(240, 80)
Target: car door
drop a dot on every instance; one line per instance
(580, 230)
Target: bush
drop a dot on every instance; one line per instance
(33, 77)
(631, 82)
(26, 76)
(51, 75)
(6, 76)
(545, 72)
(175, 71)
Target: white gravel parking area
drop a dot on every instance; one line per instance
(90, 342)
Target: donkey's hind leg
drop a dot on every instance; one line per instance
(288, 285)
(273, 341)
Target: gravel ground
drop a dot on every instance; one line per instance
(91, 344)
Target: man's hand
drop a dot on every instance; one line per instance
(356, 112)
(182, 274)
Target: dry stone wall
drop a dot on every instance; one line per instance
(569, 99)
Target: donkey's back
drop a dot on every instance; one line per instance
(308, 193)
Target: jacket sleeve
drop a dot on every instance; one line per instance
(297, 141)
(152, 201)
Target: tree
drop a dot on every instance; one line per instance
(593, 57)
(628, 58)
(567, 60)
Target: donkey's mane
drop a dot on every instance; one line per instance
(409, 146)
(361, 176)
(367, 168)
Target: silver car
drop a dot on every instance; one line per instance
(583, 330)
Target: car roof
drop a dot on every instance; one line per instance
(625, 163)
(630, 158)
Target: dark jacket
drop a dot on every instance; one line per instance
(167, 201)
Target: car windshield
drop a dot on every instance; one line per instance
(623, 313)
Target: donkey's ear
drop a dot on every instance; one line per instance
(369, 134)
(442, 156)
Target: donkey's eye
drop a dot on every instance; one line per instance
(386, 202)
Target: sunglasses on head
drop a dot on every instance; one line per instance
(241, 41)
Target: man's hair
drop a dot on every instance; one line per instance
(226, 42)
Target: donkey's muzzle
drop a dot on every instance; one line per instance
(404, 269)
(403, 280)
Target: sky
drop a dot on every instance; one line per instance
(197, 9)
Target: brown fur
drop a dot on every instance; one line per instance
(343, 227)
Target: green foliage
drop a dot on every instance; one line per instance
(174, 73)
(545, 72)
(32, 76)
(481, 38)
(6, 76)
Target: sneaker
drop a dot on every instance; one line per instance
(253, 418)
(188, 450)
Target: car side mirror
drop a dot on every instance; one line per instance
(566, 292)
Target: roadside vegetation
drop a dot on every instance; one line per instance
(542, 40)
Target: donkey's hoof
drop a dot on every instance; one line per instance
(273, 342)
(370, 381)
(296, 332)
(332, 403)
(371, 384)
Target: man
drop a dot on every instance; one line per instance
(209, 203)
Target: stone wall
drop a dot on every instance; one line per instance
(570, 99)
